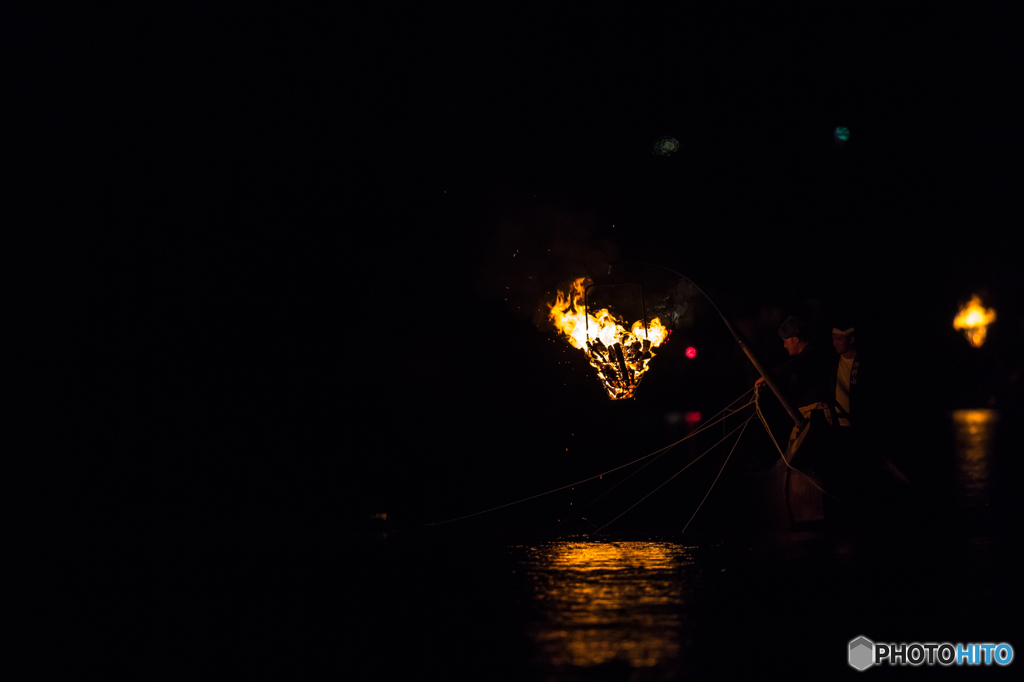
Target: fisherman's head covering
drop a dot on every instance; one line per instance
(846, 332)
(793, 326)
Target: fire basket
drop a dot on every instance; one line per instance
(618, 351)
(621, 363)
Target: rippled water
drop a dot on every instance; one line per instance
(974, 431)
(595, 602)
(662, 608)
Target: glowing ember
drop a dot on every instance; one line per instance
(974, 320)
(619, 355)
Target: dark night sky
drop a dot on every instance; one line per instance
(535, 129)
(260, 279)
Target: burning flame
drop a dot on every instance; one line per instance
(619, 355)
(974, 320)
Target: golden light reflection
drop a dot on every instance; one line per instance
(973, 319)
(973, 431)
(602, 601)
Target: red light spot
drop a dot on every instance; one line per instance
(691, 352)
(692, 417)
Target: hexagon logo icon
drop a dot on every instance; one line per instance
(862, 653)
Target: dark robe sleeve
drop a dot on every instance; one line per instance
(804, 378)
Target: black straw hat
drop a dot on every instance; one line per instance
(792, 326)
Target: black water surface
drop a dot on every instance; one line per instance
(941, 567)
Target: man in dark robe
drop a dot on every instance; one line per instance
(805, 381)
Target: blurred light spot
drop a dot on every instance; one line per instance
(673, 417)
(692, 417)
(691, 352)
(973, 320)
(842, 133)
(666, 146)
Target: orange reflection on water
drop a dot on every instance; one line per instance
(973, 431)
(601, 601)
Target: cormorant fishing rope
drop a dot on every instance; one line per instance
(710, 423)
(666, 449)
(719, 474)
(757, 407)
(743, 425)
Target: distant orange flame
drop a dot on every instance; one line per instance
(619, 355)
(973, 320)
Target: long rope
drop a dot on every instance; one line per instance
(757, 407)
(667, 449)
(673, 476)
(710, 423)
(719, 474)
(606, 492)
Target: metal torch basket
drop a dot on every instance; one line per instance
(614, 363)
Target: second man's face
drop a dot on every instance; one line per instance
(841, 343)
(791, 345)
